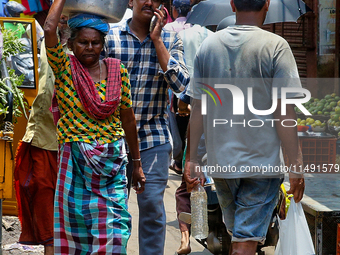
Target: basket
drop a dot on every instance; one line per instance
(319, 154)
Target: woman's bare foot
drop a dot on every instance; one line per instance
(185, 244)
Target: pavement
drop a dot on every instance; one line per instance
(173, 234)
(11, 228)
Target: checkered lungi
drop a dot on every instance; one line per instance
(90, 211)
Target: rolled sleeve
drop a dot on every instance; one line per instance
(184, 97)
(177, 74)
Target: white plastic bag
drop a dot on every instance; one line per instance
(294, 235)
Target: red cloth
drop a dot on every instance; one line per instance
(34, 6)
(35, 176)
(183, 204)
(88, 93)
(27, 6)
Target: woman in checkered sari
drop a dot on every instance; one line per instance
(92, 101)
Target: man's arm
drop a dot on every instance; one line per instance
(195, 131)
(290, 141)
(177, 74)
(171, 60)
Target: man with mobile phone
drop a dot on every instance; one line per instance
(155, 61)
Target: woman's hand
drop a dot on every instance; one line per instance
(51, 23)
(129, 125)
(138, 178)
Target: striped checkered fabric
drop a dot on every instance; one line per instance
(149, 84)
(90, 211)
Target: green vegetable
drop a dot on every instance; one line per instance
(12, 46)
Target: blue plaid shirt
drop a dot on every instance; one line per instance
(148, 81)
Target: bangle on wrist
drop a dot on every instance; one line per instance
(295, 172)
(136, 159)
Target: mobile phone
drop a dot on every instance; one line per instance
(154, 20)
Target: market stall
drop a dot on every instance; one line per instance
(319, 133)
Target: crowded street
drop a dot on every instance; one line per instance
(170, 127)
(173, 235)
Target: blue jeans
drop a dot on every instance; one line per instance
(247, 205)
(152, 219)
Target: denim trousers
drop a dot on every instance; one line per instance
(247, 205)
(152, 218)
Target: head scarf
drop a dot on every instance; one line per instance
(168, 17)
(89, 20)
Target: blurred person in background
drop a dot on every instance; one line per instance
(178, 123)
(180, 10)
(192, 39)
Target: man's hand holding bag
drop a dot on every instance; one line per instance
(294, 235)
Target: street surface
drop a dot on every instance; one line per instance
(173, 234)
(11, 228)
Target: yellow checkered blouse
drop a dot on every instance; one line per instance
(75, 124)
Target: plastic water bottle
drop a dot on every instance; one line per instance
(199, 213)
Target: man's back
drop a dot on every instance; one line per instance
(244, 51)
(245, 57)
(245, 127)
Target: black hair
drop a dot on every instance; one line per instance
(249, 5)
(75, 31)
(183, 10)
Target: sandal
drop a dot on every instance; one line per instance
(174, 168)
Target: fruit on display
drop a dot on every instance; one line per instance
(326, 106)
(313, 124)
(325, 115)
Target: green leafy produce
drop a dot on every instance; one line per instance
(11, 43)
(12, 46)
(19, 106)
